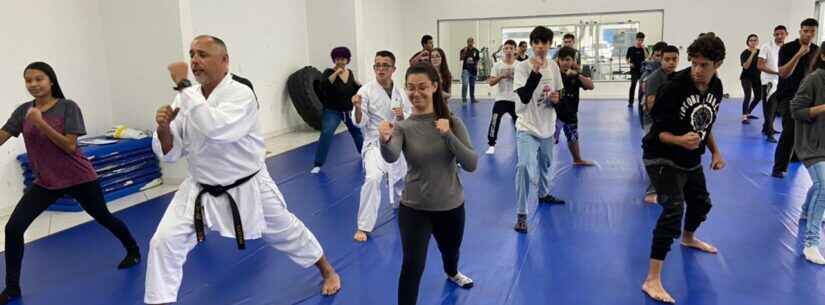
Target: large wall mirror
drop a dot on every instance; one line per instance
(602, 38)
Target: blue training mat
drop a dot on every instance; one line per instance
(591, 251)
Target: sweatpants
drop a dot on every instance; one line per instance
(499, 109)
(677, 190)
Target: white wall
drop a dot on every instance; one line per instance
(330, 24)
(67, 35)
(452, 37)
(378, 23)
(683, 20)
(137, 54)
(267, 41)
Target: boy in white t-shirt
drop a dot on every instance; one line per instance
(502, 77)
(537, 82)
(768, 63)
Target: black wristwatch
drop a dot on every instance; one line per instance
(185, 83)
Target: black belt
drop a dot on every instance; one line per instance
(217, 191)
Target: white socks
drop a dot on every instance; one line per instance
(812, 255)
(461, 280)
(315, 170)
(491, 150)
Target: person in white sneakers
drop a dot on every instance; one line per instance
(807, 109)
(378, 101)
(537, 82)
(432, 205)
(229, 189)
(502, 78)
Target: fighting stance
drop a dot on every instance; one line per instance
(537, 82)
(683, 116)
(378, 101)
(50, 125)
(229, 190)
(433, 141)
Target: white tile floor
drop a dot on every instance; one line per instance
(53, 222)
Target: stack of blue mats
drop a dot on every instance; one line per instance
(123, 168)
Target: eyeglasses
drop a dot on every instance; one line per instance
(382, 66)
(420, 87)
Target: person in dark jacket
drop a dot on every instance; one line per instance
(338, 85)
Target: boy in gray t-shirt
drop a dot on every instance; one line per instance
(670, 59)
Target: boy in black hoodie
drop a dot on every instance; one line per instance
(683, 116)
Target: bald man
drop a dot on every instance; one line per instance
(229, 189)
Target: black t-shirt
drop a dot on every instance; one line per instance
(338, 95)
(752, 71)
(680, 108)
(637, 57)
(522, 58)
(470, 59)
(787, 86)
(568, 107)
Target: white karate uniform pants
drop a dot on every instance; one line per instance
(175, 238)
(375, 168)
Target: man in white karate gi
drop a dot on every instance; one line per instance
(229, 190)
(377, 101)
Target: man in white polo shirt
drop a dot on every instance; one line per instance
(768, 63)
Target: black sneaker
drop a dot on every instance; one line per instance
(778, 174)
(551, 200)
(131, 259)
(770, 138)
(6, 297)
(752, 117)
(521, 223)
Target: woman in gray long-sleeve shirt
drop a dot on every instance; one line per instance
(807, 109)
(432, 204)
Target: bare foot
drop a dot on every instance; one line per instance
(651, 199)
(583, 163)
(332, 284)
(360, 236)
(699, 245)
(654, 290)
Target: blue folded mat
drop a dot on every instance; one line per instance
(123, 168)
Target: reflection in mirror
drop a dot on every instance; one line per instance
(601, 39)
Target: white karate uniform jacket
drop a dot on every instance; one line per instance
(219, 137)
(376, 107)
